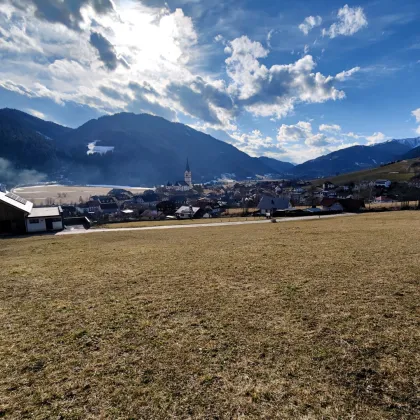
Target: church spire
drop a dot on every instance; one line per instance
(187, 174)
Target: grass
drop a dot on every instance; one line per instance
(310, 320)
(396, 172)
(149, 223)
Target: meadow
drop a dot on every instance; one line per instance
(305, 319)
(64, 194)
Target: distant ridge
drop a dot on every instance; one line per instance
(149, 150)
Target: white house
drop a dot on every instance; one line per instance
(43, 219)
(386, 183)
(271, 204)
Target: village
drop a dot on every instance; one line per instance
(185, 200)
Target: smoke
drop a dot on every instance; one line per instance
(11, 176)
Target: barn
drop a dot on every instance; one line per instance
(13, 212)
(18, 215)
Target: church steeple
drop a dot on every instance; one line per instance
(188, 174)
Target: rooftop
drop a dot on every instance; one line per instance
(15, 201)
(45, 212)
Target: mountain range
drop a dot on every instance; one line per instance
(130, 149)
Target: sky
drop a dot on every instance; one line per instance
(291, 80)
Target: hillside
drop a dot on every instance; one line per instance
(277, 166)
(396, 172)
(147, 150)
(131, 149)
(413, 153)
(351, 159)
(150, 150)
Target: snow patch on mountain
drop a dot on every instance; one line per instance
(93, 148)
(415, 142)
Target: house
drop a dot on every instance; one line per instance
(327, 185)
(152, 215)
(331, 204)
(69, 211)
(94, 206)
(13, 212)
(109, 208)
(385, 183)
(82, 208)
(187, 212)
(44, 219)
(271, 204)
(383, 199)
(103, 199)
(344, 204)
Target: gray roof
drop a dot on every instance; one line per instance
(187, 209)
(45, 212)
(270, 203)
(15, 201)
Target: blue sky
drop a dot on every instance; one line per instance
(291, 80)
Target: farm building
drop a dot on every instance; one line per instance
(18, 215)
(13, 212)
(44, 219)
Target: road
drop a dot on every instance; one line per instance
(199, 225)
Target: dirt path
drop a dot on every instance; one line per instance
(198, 225)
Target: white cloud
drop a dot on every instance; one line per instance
(36, 113)
(244, 68)
(354, 135)
(158, 47)
(329, 128)
(318, 140)
(274, 91)
(309, 23)
(292, 133)
(350, 21)
(346, 74)
(256, 144)
(306, 49)
(375, 138)
(416, 114)
(302, 143)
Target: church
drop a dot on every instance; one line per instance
(184, 185)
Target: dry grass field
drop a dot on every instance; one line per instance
(149, 223)
(301, 320)
(64, 194)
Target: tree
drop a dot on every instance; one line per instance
(49, 201)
